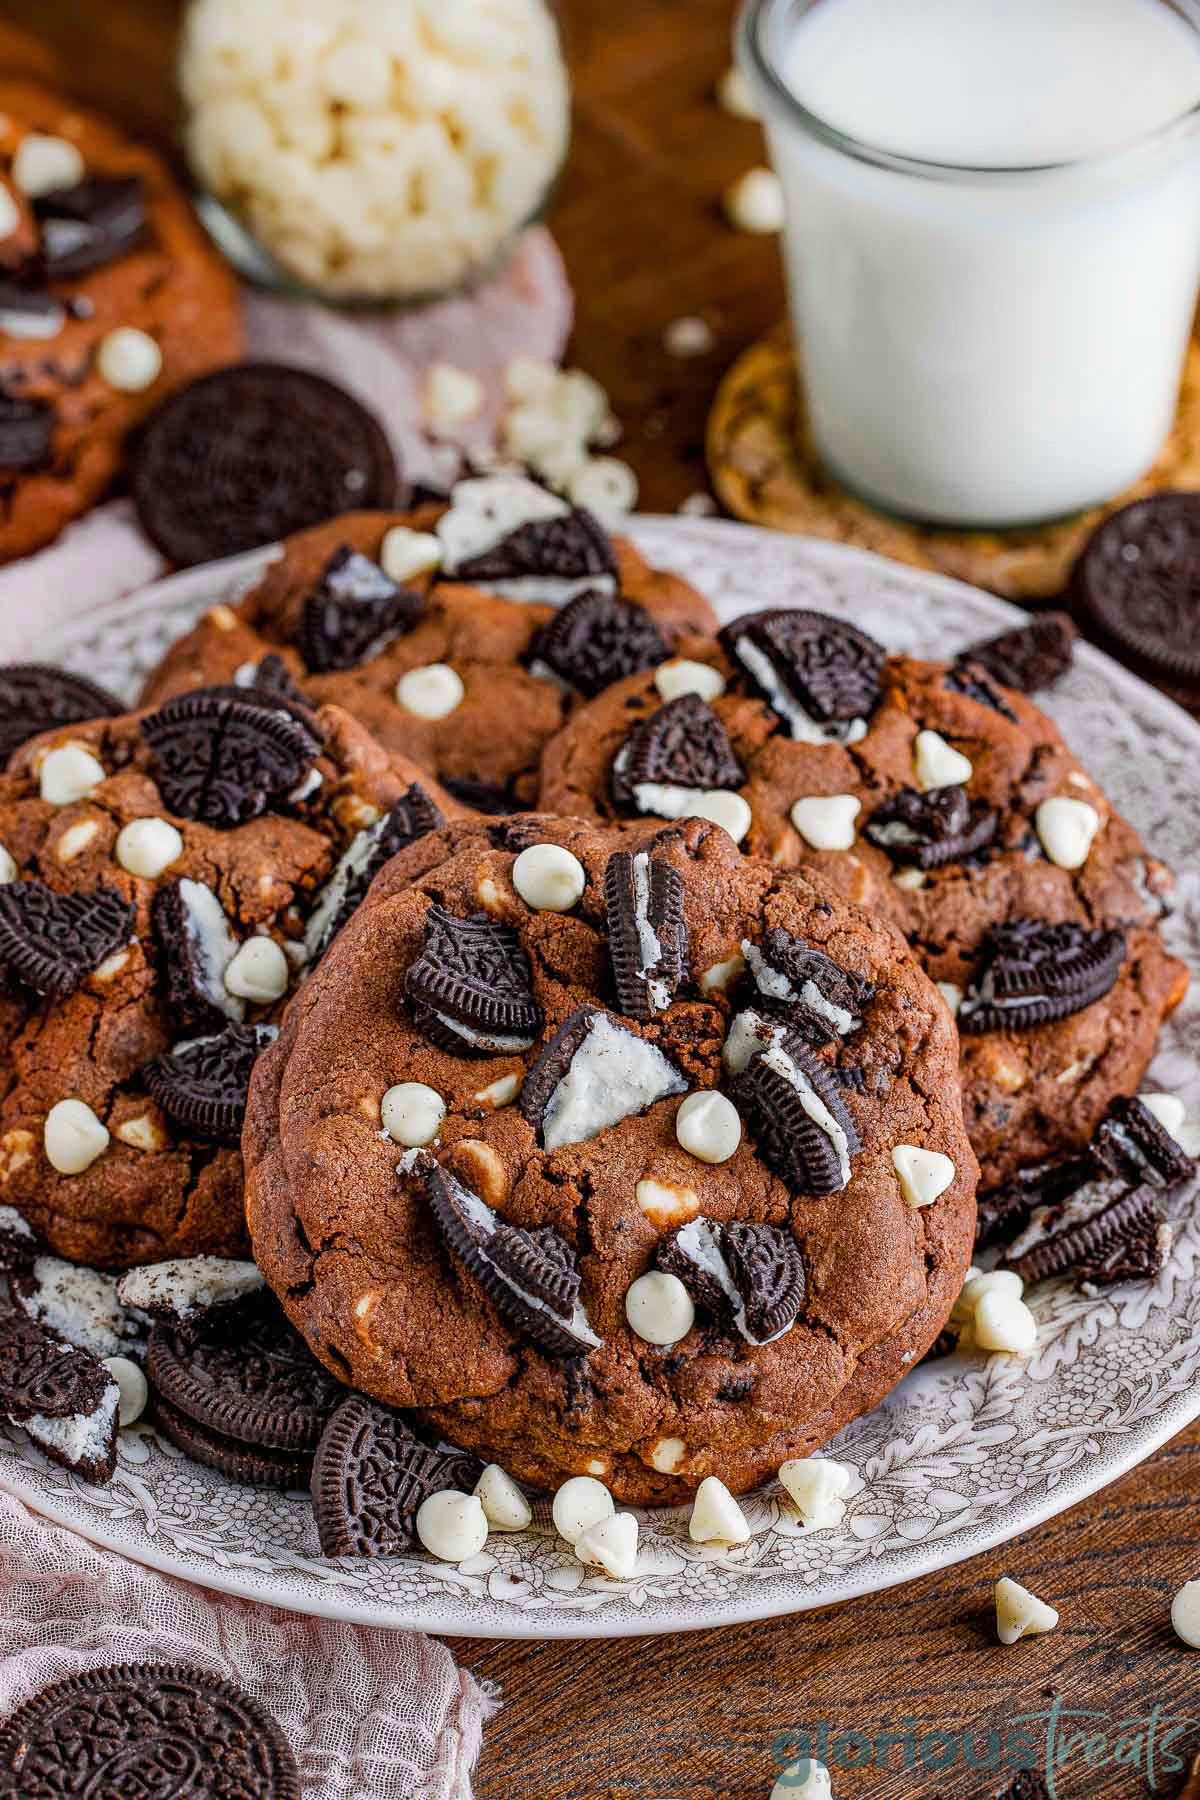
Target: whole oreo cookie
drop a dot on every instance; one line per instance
(683, 744)
(1033, 974)
(222, 761)
(370, 1477)
(254, 1466)
(35, 697)
(152, 1729)
(52, 942)
(1138, 579)
(251, 453)
(597, 639)
(203, 1085)
(353, 611)
(1032, 656)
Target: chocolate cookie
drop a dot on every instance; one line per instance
(468, 662)
(481, 1237)
(938, 798)
(175, 875)
(113, 299)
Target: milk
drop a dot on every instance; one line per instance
(996, 337)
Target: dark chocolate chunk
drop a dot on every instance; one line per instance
(254, 453)
(825, 1001)
(927, 831)
(683, 744)
(471, 986)
(51, 942)
(970, 678)
(91, 224)
(145, 1731)
(35, 697)
(811, 669)
(203, 1085)
(771, 1096)
(1129, 1142)
(1106, 1232)
(412, 817)
(26, 431)
(1030, 973)
(355, 610)
(195, 946)
(223, 761)
(1137, 579)
(570, 547)
(288, 1471)
(1032, 656)
(371, 1476)
(597, 639)
(647, 932)
(40, 1375)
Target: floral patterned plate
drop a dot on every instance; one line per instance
(963, 1455)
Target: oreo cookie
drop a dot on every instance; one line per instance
(819, 675)
(27, 427)
(28, 308)
(597, 639)
(748, 1278)
(568, 547)
(18, 1241)
(412, 817)
(1032, 657)
(592, 1073)
(271, 681)
(371, 1476)
(970, 678)
(35, 697)
(355, 609)
(791, 1104)
(470, 987)
(195, 947)
(1130, 1143)
(682, 745)
(41, 1374)
(927, 831)
(1137, 581)
(1006, 1211)
(1030, 973)
(189, 1290)
(288, 1471)
(85, 227)
(1106, 1231)
(202, 1085)
(164, 1731)
(222, 761)
(254, 453)
(647, 932)
(52, 942)
(256, 1380)
(817, 997)
(531, 1277)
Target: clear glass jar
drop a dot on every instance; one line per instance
(372, 151)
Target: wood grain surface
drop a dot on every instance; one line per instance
(693, 1716)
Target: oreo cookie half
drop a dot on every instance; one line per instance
(1007, 1210)
(1032, 657)
(27, 428)
(195, 947)
(187, 1290)
(647, 932)
(1130, 1143)
(85, 227)
(597, 639)
(147, 1729)
(223, 761)
(370, 1477)
(972, 679)
(470, 987)
(748, 1278)
(42, 1374)
(819, 999)
(1105, 1232)
(792, 1104)
(412, 817)
(590, 1075)
(254, 453)
(820, 676)
(681, 746)
(355, 609)
(1031, 974)
(35, 697)
(531, 1277)
(202, 1085)
(927, 831)
(570, 546)
(1137, 580)
(52, 942)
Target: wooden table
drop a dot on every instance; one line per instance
(692, 1716)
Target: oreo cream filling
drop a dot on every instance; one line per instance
(774, 985)
(212, 947)
(189, 1284)
(803, 728)
(612, 1075)
(498, 1043)
(79, 1304)
(81, 1439)
(350, 864)
(699, 1243)
(751, 1035)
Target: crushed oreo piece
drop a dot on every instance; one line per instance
(819, 675)
(470, 987)
(371, 1476)
(26, 431)
(84, 1442)
(748, 1278)
(189, 1289)
(1129, 1142)
(682, 745)
(792, 1105)
(1030, 973)
(1105, 1232)
(355, 609)
(597, 639)
(91, 224)
(567, 547)
(927, 831)
(1007, 1210)
(970, 678)
(591, 1074)
(52, 942)
(202, 1085)
(35, 697)
(1032, 656)
(819, 999)
(531, 1277)
(27, 309)
(18, 1241)
(223, 761)
(412, 817)
(41, 1374)
(195, 947)
(647, 932)
(78, 1304)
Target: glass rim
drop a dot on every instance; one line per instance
(756, 14)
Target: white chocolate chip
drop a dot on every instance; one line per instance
(412, 1113)
(148, 847)
(689, 336)
(1185, 1614)
(716, 1516)
(129, 360)
(938, 764)
(501, 1092)
(952, 994)
(607, 487)
(610, 1545)
(68, 774)
(992, 1281)
(580, 1503)
(686, 677)
(433, 692)
(548, 878)
(659, 1308)
(452, 396)
(134, 1388)
(43, 164)
(826, 821)
(665, 1204)
(405, 553)
(597, 1466)
(755, 203)
(735, 95)
(667, 1455)
(505, 1506)
(708, 1126)
(721, 974)
(8, 868)
(142, 1133)
(452, 1526)
(720, 807)
(1067, 828)
(817, 1488)
(259, 972)
(1019, 1613)
(74, 1137)
(1004, 1322)
(911, 879)
(1168, 1109)
(75, 839)
(924, 1174)
(111, 967)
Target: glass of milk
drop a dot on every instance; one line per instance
(992, 240)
